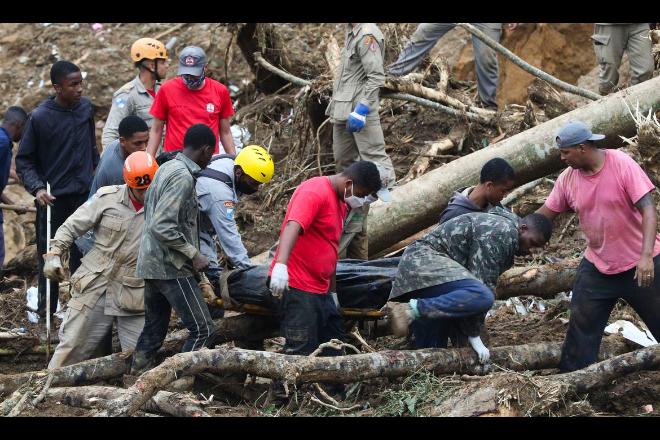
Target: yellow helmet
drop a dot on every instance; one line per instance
(256, 163)
(148, 48)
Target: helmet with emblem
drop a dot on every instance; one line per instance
(139, 170)
(148, 48)
(256, 163)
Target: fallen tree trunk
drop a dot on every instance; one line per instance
(17, 341)
(340, 369)
(95, 396)
(544, 281)
(244, 327)
(518, 395)
(532, 154)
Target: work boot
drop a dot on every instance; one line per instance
(400, 317)
(140, 363)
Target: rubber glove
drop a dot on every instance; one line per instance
(53, 269)
(480, 348)
(279, 280)
(357, 119)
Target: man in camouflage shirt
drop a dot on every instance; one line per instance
(169, 258)
(451, 273)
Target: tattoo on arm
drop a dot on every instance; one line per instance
(645, 201)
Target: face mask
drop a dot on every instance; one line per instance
(193, 84)
(244, 188)
(353, 201)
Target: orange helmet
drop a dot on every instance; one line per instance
(139, 170)
(148, 48)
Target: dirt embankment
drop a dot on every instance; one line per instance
(560, 49)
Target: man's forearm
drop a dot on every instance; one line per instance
(227, 141)
(155, 136)
(288, 241)
(649, 224)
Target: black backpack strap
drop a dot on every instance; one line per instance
(216, 175)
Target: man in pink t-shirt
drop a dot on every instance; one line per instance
(612, 197)
(191, 98)
(303, 269)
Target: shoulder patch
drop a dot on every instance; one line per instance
(110, 189)
(229, 204)
(371, 42)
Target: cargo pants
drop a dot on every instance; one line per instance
(427, 35)
(594, 297)
(83, 331)
(609, 43)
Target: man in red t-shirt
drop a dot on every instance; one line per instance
(612, 196)
(190, 99)
(303, 270)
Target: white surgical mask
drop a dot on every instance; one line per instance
(353, 201)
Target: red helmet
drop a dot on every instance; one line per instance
(139, 170)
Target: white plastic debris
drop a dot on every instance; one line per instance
(241, 136)
(170, 43)
(518, 306)
(84, 74)
(631, 332)
(32, 298)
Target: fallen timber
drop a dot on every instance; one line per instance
(532, 153)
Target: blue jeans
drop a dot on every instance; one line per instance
(454, 309)
(594, 297)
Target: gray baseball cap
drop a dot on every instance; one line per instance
(574, 133)
(192, 60)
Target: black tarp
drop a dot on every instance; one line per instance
(360, 284)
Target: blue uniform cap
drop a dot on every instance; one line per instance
(574, 133)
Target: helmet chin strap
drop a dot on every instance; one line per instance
(155, 71)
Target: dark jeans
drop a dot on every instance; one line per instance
(185, 296)
(308, 320)
(451, 310)
(2, 246)
(63, 207)
(594, 297)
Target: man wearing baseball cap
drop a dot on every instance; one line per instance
(191, 98)
(612, 196)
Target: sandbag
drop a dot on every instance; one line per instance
(360, 284)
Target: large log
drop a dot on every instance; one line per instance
(95, 396)
(517, 395)
(340, 369)
(532, 153)
(244, 327)
(543, 281)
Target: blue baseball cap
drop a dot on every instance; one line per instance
(192, 61)
(574, 133)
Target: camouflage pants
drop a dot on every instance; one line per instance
(594, 297)
(451, 310)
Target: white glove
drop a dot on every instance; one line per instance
(279, 280)
(480, 348)
(53, 269)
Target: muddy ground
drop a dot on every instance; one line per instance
(561, 49)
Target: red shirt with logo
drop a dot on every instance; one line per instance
(315, 206)
(181, 107)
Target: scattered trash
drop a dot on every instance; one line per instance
(84, 74)
(30, 83)
(518, 306)
(97, 27)
(32, 298)
(41, 84)
(241, 136)
(563, 321)
(631, 332)
(23, 59)
(648, 409)
(19, 330)
(170, 43)
(46, 24)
